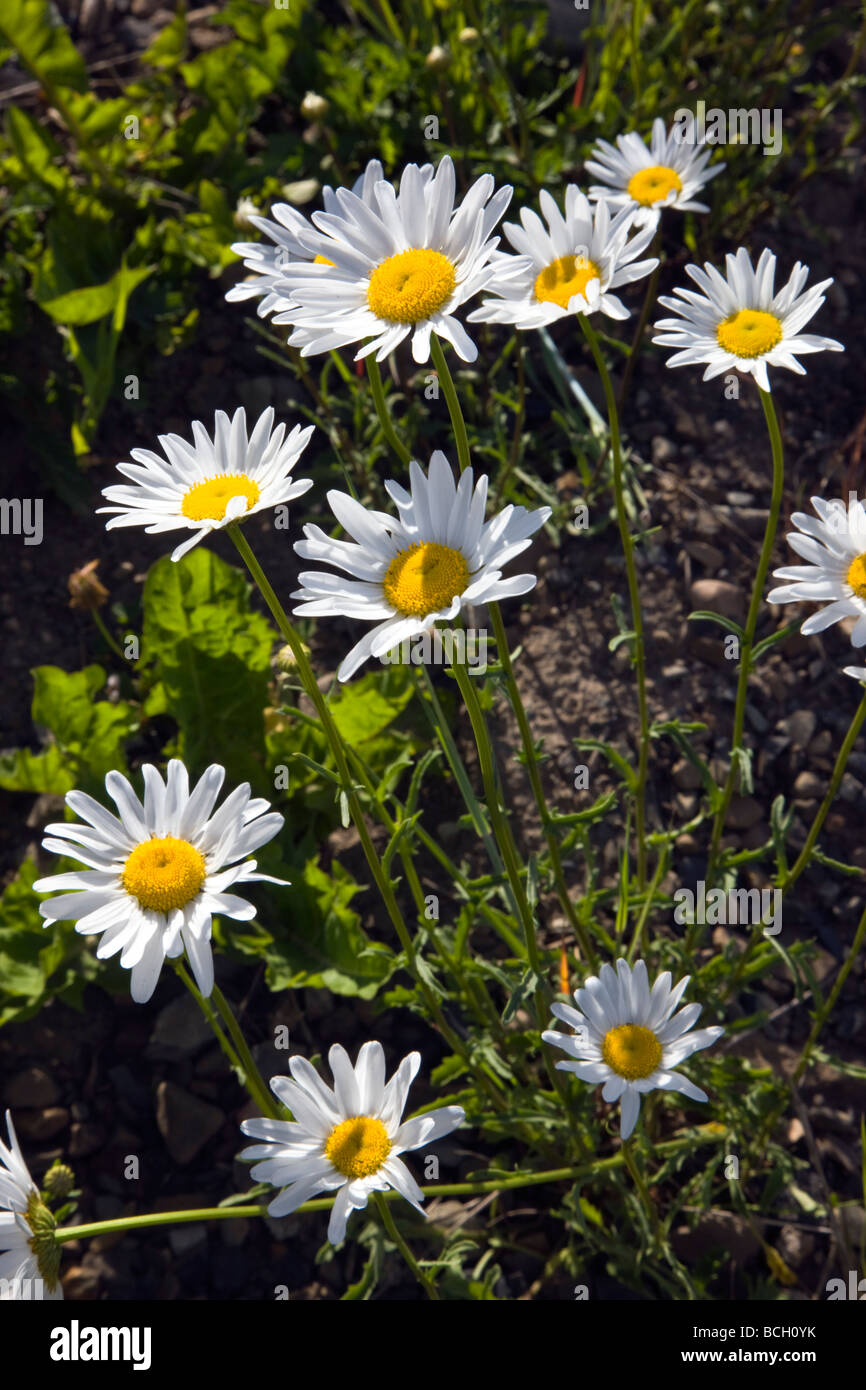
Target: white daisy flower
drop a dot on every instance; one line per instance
(21, 1214)
(418, 569)
(349, 1139)
(834, 546)
(668, 174)
(401, 266)
(202, 486)
(568, 267)
(738, 323)
(155, 876)
(295, 239)
(858, 672)
(630, 1038)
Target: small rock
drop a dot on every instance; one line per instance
(85, 1139)
(795, 1246)
(42, 1124)
(31, 1088)
(744, 812)
(799, 726)
(705, 554)
(718, 596)
(180, 1027)
(183, 1239)
(807, 786)
(185, 1122)
(718, 1230)
(686, 776)
(663, 450)
(80, 1283)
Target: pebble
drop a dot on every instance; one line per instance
(799, 727)
(719, 596)
(686, 775)
(179, 1027)
(663, 450)
(31, 1088)
(85, 1139)
(185, 1122)
(744, 812)
(808, 786)
(44, 1123)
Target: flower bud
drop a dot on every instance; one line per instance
(58, 1181)
(469, 37)
(245, 209)
(314, 107)
(438, 58)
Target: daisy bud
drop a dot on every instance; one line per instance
(58, 1181)
(314, 107)
(469, 37)
(438, 59)
(286, 658)
(85, 589)
(245, 209)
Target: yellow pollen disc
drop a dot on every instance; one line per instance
(653, 185)
(411, 286)
(425, 578)
(164, 873)
(857, 576)
(321, 260)
(207, 501)
(563, 279)
(749, 333)
(631, 1051)
(358, 1147)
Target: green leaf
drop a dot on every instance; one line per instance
(211, 654)
(87, 305)
(363, 709)
(319, 942)
(43, 45)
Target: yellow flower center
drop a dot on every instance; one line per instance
(563, 279)
(631, 1051)
(358, 1147)
(164, 873)
(857, 576)
(425, 578)
(321, 260)
(749, 332)
(207, 501)
(653, 185)
(411, 286)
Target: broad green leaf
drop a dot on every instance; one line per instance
(43, 45)
(211, 656)
(87, 305)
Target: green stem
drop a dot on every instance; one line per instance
(634, 595)
(335, 741)
(596, 1169)
(231, 1056)
(382, 410)
(391, 1227)
(255, 1082)
(648, 301)
(749, 633)
(458, 424)
(790, 878)
(827, 1007)
(500, 825)
(112, 642)
(517, 705)
(633, 1166)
